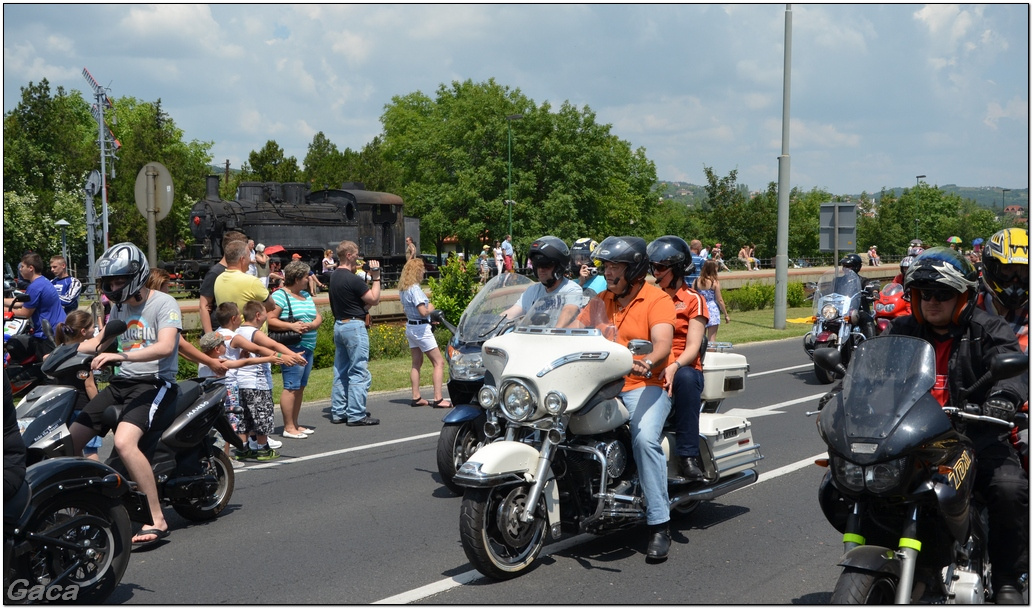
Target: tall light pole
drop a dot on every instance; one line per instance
(917, 178)
(509, 180)
(64, 224)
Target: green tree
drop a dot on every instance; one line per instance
(271, 165)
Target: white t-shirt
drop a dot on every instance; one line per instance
(232, 353)
(257, 376)
(568, 290)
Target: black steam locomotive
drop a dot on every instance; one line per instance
(302, 222)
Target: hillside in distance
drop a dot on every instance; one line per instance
(984, 196)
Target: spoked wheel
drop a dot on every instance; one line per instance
(857, 587)
(456, 444)
(206, 508)
(495, 540)
(101, 535)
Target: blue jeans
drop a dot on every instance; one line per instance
(649, 407)
(688, 385)
(352, 379)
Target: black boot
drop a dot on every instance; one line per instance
(659, 542)
(690, 469)
(1008, 594)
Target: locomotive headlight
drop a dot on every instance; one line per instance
(829, 312)
(487, 396)
(850, 475)
(518, 401)
(883, 477)
(555, 403)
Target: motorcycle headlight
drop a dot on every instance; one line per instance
(555, 403)
(518, 401)
(883, 477)
(849, 475)
(487, 396)
(23, 424)
(829, 312)
(889, 308)
(465, 366)
(879, 307)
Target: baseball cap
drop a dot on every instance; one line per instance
(210, 341)
(295, 256)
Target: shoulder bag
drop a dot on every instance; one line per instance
(287, 338)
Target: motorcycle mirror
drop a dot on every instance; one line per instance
(827, 358)
(111, 330)
(437, 315)
(21, 297)
(1007, 365)
(638, 346)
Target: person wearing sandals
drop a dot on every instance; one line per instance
(294, 300)
(419, 333)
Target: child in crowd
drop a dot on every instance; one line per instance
(78, 328)
(256, 382)
(256, 417)
(216, 346)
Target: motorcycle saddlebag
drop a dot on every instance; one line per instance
(729, 439)
(724, 375)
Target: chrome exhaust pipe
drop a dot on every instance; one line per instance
(707, 493)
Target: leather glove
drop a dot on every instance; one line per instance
(831, 395)
(999, 408)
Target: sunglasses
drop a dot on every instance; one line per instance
(938, 295)
(659, 268)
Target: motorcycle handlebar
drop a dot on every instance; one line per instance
(968, 415)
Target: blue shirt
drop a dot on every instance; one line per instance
(68, 289)
(507, 248)
(411, 299)
(45, 304)
(697, 261)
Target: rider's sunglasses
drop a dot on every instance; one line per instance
(659, 268)
(938, 295)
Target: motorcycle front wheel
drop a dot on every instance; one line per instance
(103, 534)
(456, 443)
(496, 541)
(206, 508)
(857, 587)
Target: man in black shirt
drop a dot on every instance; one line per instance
(350, 298)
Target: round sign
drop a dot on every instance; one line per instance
(163, 193)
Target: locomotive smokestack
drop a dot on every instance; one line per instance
(212, 188)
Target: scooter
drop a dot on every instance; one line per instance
(566, 464)
(192, 475)
(842, 317)
(464, 426)
(900, 476)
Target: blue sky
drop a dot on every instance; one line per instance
(880, 93)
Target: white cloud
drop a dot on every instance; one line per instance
(1016, 109)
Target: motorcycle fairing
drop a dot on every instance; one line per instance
(193, 422)
(885, 408)
(508, 462)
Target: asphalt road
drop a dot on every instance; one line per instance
(358, 515)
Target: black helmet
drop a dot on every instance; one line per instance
(941, 267)
(581, 253)
(122, 260)
(673, 252)
(551, 249)
(629, 250)
(1009, 246)
(852, 262)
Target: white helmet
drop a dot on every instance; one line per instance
(122, 260)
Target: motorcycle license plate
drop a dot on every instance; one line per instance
(12, 326)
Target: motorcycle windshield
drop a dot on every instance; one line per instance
(887, 377)
(482, 314)
(840, 288)
(565, 312)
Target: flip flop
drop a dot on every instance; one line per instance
(159, 535)
(419, 402)
(442, 403)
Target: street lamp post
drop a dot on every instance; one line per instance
(64, 224)
(509, 179)
(917, 178)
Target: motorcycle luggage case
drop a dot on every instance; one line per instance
(724, 375)
(730, 440)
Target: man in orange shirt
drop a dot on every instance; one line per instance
(642, 311)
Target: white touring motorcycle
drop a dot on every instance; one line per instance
(566, 464)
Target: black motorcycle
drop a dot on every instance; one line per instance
(192, 474)
(900, 477)
(24, 352)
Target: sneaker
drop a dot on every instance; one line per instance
(273, 443)
(247, 453)
(267, 454)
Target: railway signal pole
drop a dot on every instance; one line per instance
(108, 146)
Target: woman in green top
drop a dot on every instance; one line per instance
(295, 300)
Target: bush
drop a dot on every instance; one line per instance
(755, 296)
(795, 296)
(454, 290)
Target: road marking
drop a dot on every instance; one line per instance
(418, 594)
(772, 409)
(756, 374)
(332, 453)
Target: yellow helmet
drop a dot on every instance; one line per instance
(1007, 247)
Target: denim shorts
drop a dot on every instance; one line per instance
(296, 377)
